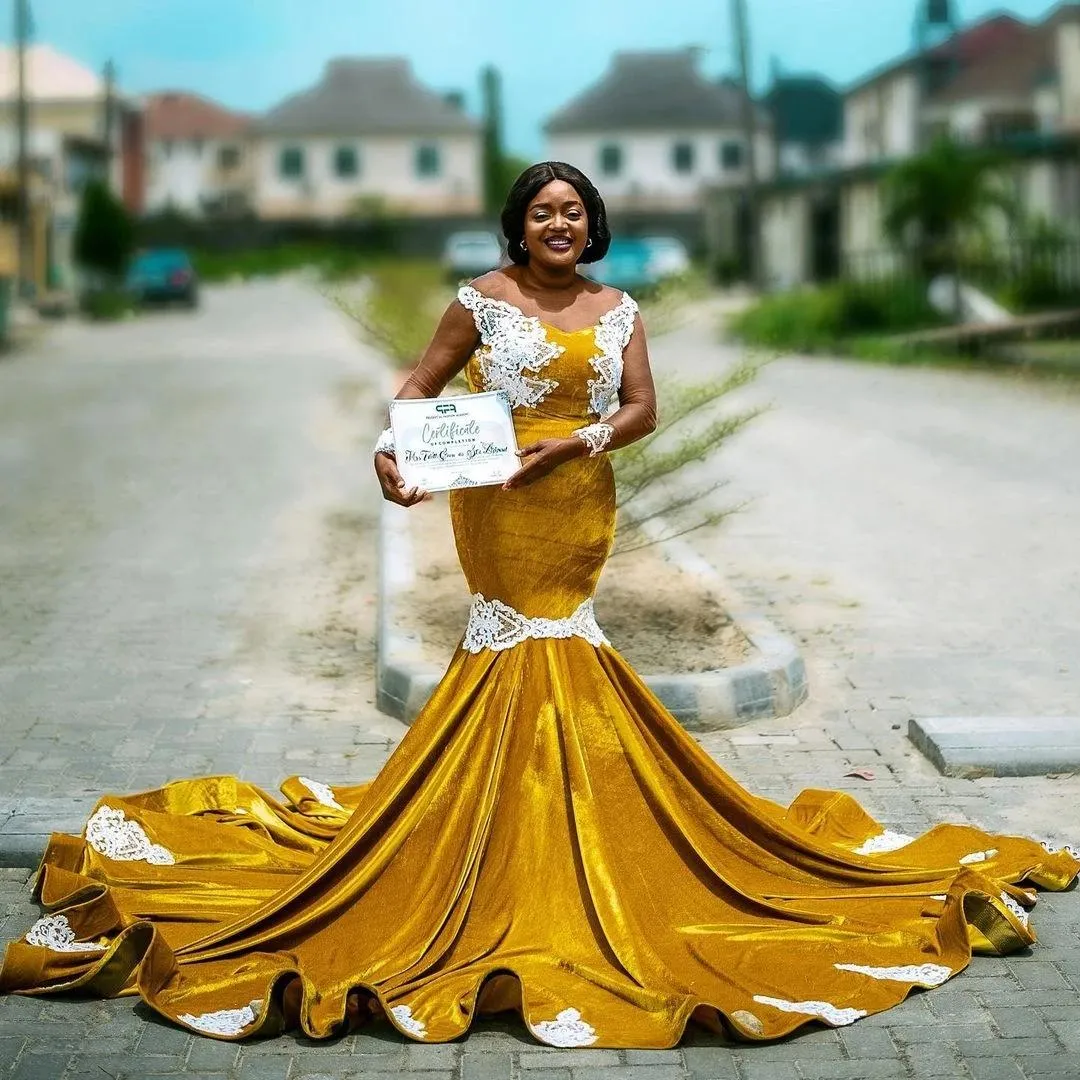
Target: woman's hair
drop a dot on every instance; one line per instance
(525, 190)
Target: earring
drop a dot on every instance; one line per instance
(524, 246)
(589, 244)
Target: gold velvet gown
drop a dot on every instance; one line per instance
(546, 837)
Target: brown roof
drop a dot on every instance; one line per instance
(175, 114)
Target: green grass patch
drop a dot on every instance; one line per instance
(333, 262)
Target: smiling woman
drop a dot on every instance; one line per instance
(546, 838)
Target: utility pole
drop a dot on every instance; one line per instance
(22, 121)
(751, 200)
(109, 118)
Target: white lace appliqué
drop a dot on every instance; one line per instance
(323, 793)
(595, 437)
(567, 1029)
(403, 1015)
(612, 335)
(497, 626)
(920, 974)
(747, 1020)
(1015, 908)
(978, 856)
(1054, 848)
(54, 932)
(886, 841)
(514, 349)
(225, 1021)
(110, 834)
(830, 1013)
(385, 443)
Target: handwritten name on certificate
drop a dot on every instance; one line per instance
(444, 443)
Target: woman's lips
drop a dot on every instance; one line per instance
(559, 243)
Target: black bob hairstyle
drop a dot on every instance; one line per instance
(525, 190)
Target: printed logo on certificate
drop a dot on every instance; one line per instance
(455, 442)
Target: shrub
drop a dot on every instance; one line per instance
(104, 233)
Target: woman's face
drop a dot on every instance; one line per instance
(556, 226)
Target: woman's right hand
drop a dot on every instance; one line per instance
(393, 487)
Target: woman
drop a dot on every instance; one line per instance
(546, 838)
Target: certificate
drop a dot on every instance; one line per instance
(455, 442)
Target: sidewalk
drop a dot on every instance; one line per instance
(236, 455)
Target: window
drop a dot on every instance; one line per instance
(228, 157)
(611, 159)
(291, 163)
(682, 157)
(427, 160)
(731, 155)
(346, 162)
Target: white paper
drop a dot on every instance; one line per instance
(454, 442)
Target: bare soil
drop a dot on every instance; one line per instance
(660, 618)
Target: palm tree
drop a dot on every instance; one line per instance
(933, 200)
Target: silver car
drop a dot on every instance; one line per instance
(470, 254)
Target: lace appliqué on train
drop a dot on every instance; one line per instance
(323, 793)
(886, 841)
(595, 437)
(1021, 915)
(403, 1015)
(514, 349)
(55, 932)
(224, 1021)
(567, 1029)
(920, 974)
(497, 626)
(612, 335)
(110, 834)
(830, 1013)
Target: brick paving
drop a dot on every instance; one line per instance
(186, 579)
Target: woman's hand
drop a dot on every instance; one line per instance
(539, 458)
(393, 487)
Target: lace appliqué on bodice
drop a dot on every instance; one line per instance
(497, 626)
(110, 834)
(514, 348)
(612, 335)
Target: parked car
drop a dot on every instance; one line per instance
(470, 254)
(669, 257)
(161, 275)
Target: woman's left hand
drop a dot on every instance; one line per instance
(539, 458)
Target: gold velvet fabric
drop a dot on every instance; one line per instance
(546, 838)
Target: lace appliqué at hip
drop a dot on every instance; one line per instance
(514, 348)
(54, 932)
(612, 335)
(497, 626)
(225, 1021)
(595, 437)
(110, 834)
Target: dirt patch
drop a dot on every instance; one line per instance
(662, 620)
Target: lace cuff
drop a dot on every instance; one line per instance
(595, 437)
(385, 444)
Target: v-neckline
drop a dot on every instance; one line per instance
(542, 322)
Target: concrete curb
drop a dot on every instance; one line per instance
(770, 686)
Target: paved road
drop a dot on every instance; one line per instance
(185, 586)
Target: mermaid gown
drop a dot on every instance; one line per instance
(545, 838)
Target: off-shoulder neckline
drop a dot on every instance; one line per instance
(495, 301)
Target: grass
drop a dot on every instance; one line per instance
(333, 262)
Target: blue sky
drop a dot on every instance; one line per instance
(249, 54)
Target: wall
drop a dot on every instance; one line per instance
(1068, 59)
(183, 173)
(880, 119)
(387, 171)
(785, 252)
(648, 178)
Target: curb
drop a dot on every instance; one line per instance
(770, 686)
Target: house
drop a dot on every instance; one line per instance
(199, 158)
(79, 127)
(654, 133)
(367, 135)
(1001, 82)
(807, 119)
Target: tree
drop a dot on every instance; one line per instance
(500, 169)
(933, 201)
(104, 234)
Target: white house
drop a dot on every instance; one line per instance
(654, 133)
(367, 133)
(198, 153)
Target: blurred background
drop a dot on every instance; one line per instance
(883, 172)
